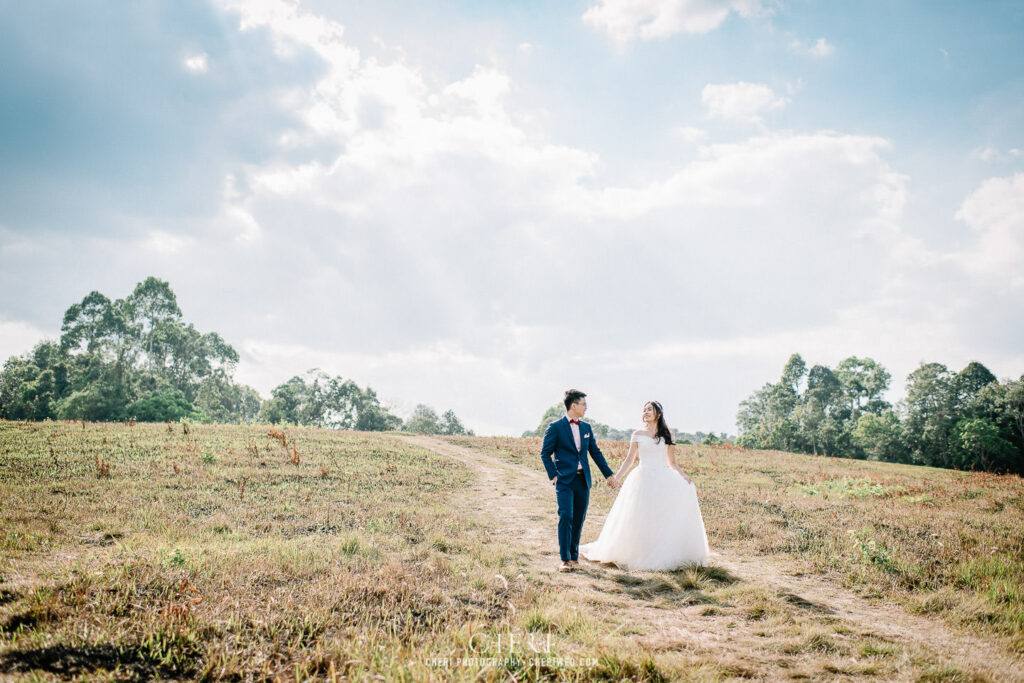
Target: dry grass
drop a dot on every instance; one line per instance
(222, 552)
(217, 552)
(938, 541)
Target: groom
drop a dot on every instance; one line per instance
(570, 440)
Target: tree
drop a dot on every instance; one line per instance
(793, 372)
(863, 381)
(982, 446)
(963, 420)
(451, 425)
(1003, 406)
(817, 406)
(968, 383)
(286, 402)
(372, 416)
(319, 400)
(878, 437)
(929, 423)
(1013, 409)
(553, 413)
(752, 419)
(28, 388)
(221, 400)
(86, 323)
(166, 404)
(150, 307)
(423, 421)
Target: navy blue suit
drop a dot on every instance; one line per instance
(572, 491)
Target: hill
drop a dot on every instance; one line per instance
(239, 551)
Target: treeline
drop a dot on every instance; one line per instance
(606, 433)
(964, 420)
(136, 358)
(322, 401)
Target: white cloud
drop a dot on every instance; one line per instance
(442, 225)
(995, 213)
(166, 242)
(819, 49)
(486, 88)
(18, 337)
(690, 133)
(416, 233)
(197, 63)
(740, 101)
(822, 48)
(625, 20)
(991, 154)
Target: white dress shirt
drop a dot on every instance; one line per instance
(576, 436)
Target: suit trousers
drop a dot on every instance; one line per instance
(573, 497)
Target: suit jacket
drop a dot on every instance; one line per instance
(561, 457)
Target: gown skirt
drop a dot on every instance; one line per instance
(655, 522)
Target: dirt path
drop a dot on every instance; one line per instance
(519, 504)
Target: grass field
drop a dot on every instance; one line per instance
(141, 550)
(228, 552)
(937, 541)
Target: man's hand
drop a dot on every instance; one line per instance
(612, 482)
(554, 480)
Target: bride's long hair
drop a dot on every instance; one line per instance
(662, 431)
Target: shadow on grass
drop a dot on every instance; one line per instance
(804, 603)
(63, 660)
(684, 586)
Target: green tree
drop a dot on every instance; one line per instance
(286, 402)
(29, 388)
(1012, 409)
(553, 413)
(451, 425)
(968, 383)
(152, 307)
(86, 323)
(982, 446)
(371, 416)
(163, 405)
(793, 372)
(863, 381)
(752, 419)
(221, 400)
(928, 427)
(815, 414)
(879, 437)
(423, 421)
(319, 400)
(1003, 406)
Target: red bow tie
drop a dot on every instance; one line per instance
(574, 422)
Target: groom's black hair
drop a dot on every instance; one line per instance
(571, 396)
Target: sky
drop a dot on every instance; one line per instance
(477, 205)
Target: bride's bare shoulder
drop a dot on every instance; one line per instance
(642, 432)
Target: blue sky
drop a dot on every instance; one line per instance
(476, 205)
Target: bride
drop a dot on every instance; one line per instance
(655, 521)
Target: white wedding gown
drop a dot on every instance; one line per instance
(655, 521)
